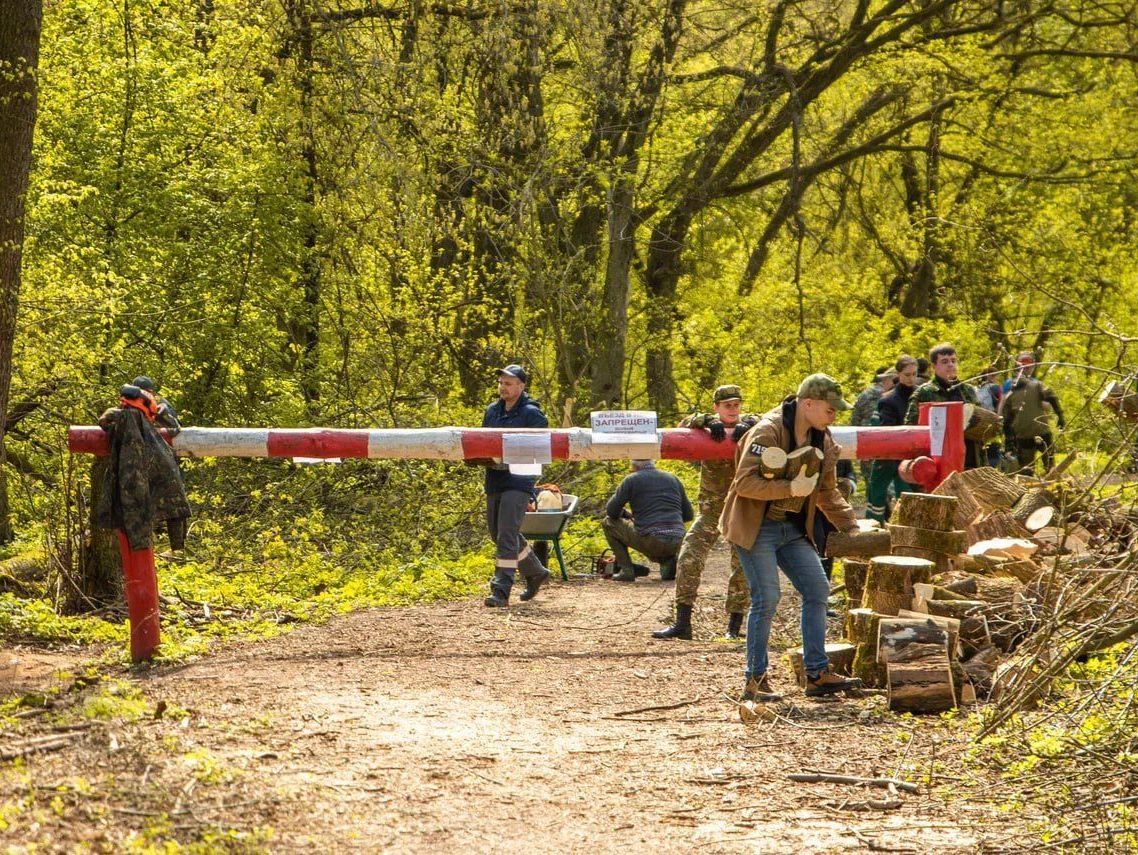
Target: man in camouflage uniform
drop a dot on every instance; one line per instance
(866, 404)
(945, 386)
(714, 480)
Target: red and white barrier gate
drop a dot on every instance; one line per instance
(934, 451)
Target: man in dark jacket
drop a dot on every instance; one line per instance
(655, 526)
(945, 386)
(508, 495)
(891, 411)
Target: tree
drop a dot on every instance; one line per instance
(20, 27)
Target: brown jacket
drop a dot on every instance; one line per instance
(746, 505)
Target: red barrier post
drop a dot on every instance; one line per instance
(141, 598)
(946, 436)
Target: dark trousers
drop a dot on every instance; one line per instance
(1026, 447)
(504, 515)
(622, 534)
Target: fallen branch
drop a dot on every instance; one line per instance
(674, 706)
(830, 778)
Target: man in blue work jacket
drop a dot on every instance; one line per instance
(508, 495)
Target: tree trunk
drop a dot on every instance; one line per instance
(100, 582)
(608, 375)
(861, 629)
(921, 510)
(889, 584)
(20, 25)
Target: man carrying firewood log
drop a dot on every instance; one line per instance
(769, 519)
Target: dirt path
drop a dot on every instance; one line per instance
(451, 727)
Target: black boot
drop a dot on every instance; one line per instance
(498, 599)
(533, 585)
(668, 570)
(641, 570)
(625, 574)
(499, 591)
(735, 625)
(681, 628)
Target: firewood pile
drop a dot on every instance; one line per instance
(993, 585)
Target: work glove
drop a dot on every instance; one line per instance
(718, 430)
(740, 431)
(803, 485)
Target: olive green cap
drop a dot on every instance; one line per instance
(727, 393)
(823, 387)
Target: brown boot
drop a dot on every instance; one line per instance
(828, 683)
(760, 689)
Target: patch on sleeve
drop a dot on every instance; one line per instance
(756, 449)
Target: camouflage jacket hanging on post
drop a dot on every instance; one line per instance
(142, 485)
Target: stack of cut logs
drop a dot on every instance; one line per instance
(937, 617)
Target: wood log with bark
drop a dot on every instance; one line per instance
(772, 462)
(1035, 509)
(929, 591)
(949, 625)
(862, 631)
(941, 563)
(858, 544)
(840, 654)
(889, 582)
(902, 639)
(925, 510)
(853, 574)
(981, 667)
(920, 676)
(974, 633)
(995, 524)
(934, 540)
(986, 487)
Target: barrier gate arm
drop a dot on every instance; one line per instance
(936, 451)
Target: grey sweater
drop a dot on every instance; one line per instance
(659, 505)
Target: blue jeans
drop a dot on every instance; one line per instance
(782, 544)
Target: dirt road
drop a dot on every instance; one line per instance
(451, 727)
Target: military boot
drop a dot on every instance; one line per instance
(735, 625)
(668, 570)
(828, 683)
(533, 585)
(759, 689)
(681, 628)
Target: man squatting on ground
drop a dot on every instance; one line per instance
(714, 479)
(770, 523)
(507, 494)
(660, 507)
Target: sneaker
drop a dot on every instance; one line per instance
(828, 683)
(626, 574)
(533, 585)
(760, 689)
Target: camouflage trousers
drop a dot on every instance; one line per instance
(693, 555)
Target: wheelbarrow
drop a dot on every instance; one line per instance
(549, 525)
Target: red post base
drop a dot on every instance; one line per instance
(141, 598)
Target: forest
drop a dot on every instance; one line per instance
(347, 213)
